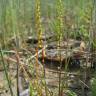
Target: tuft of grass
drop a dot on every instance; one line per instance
(93, 86)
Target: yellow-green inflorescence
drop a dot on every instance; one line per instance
(59, 25)
(38, 23)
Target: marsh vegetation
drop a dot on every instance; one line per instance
(47, 48)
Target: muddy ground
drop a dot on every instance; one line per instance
(77, 77)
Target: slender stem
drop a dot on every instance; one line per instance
(6, 73)
(43, 55)
(17, 57)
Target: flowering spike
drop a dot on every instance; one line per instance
(38, 23)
